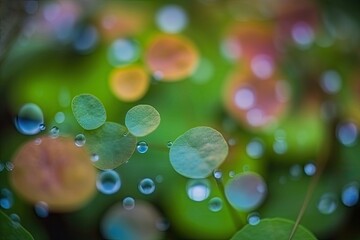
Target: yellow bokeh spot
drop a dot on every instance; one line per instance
(129, 84)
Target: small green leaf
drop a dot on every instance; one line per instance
(112, 144)
(88, 110)
(141, 120)
(10, 230)
(198, 152)
(273, 229)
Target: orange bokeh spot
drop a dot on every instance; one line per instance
(55, 171)
(129, 84)
(171, 57)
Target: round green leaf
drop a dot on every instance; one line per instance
(198, 152)
(273, 229)
(88, 110)
(11, 230)
(141, 120)
(112, 145)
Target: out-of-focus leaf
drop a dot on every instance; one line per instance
(10, 230)
(112, 144)
(273, 229)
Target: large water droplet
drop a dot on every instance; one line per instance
(246, 191)
(198, 190)
(41, 209)
(6, 198)
(255, 149)
(347, 133)
(215, 204)
(350, 194)
(171, 19)
(29, 119)
(108, 182)
(146, 186)
(253, 218)
(80, 140)
(128, 203)
(142, 147)
(327, 203)
(330, 82)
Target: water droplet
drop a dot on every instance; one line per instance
(146, 186)
(244, 98)
(171, 19)
(41, 209)
(80, 140)
(9, 166)
(217, 174)
(169, 144)
(29, 119)
(347, 133)
(6, 198)
(54, 132)
(246, 191)
(350, 194)
(15, 220)
(330, 82)
(94, 157)
(128, 203)
(262, 66)
(253, 218)
(232, 174)
(198, 190)
(295, 171)
(42, 127)
(108, 182)
(327, 203)
(255, 149)
(310, 169)
(142, 147)
(302, 34)
(123, 52)
(215, 204)
(162, 224)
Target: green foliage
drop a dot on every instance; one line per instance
(10, 230)
(112, 143)
(141, 120)
(89, 111)
(273, 229)
(198, 152)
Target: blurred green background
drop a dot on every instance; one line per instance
(51, 51)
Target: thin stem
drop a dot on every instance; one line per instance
(235, 217)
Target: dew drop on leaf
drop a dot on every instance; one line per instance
(215, 204)
(198, 189)
(80, 140)
(142, 147)
(146, 186)
(128, 203)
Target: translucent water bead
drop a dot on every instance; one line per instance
(108, 182)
